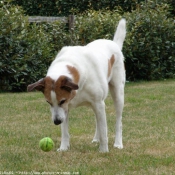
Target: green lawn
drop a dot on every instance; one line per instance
(148, 135)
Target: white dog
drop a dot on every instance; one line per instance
(81, 75)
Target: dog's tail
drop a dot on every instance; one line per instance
(120, 33)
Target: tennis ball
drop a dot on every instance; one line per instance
(46, 144)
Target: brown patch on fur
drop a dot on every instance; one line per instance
(110, 64)
(61, 92)
(73, 93)
(63, 88)
(75, 73)
(49, 86)
(39, 85)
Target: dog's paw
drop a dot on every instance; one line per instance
(104, 148)
(95, 141)
(63, 149)
(118, 146)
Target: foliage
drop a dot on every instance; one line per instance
(94, 25)
(24, 51)
(38, 7)
(149, 47)
(60, 35)
(67, 7)
(150, 44)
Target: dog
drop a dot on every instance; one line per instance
(82, 75)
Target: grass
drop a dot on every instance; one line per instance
(148, 135)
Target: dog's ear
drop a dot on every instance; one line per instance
(68, 85)
(39, 86)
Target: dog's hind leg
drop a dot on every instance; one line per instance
(116, 86)
(101, 126)
(118, 98)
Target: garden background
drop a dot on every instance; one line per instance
(27, 49)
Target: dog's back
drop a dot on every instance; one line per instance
(95, 62)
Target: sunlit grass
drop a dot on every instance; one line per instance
(148, 134)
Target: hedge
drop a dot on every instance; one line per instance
(96, 25)
(149, 48)
(67, 7)
(26, 50)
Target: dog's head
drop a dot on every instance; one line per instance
(57, 93)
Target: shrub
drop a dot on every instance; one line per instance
(89, 26)
(24, 51)
(67, 7)
(60, 35)
(94, 25)
(38, 7)
(150, 44)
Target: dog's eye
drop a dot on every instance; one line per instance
(62, 102)
(49, 103)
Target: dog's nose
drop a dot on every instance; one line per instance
(57, 122)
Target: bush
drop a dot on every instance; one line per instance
(24, 51)
(94, 25)
(27, 49)
(60, 35)
(149, 47)
(67, 7)
(89, 26)
(38, 7)
(150, 44)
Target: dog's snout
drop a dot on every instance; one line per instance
(57, 121)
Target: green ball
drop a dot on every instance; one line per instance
(46, 144)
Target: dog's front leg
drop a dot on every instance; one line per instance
(101, 126)
(64, 135)
(96, 136)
